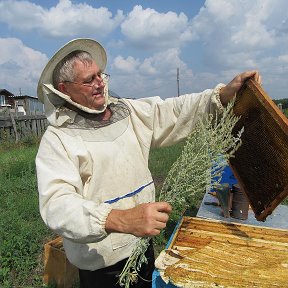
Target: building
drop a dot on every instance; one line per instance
(21, 104)
(280, 106)
(5, 100)
(27, 105)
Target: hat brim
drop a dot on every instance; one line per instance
(91, 46)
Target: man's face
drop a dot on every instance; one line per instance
(87, 89)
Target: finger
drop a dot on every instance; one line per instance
(154, 232)
(158, 228)
(249, 74)
(160, 225)
(163, 207)
(259, 79)
(162, 217)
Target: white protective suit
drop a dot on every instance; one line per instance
(85, 172)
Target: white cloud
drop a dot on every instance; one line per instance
(239, 35)
(164, 62)
(79, 19)
(20, 66)
(22, 15)
(241, 26)
(128, 65)
(65, 19)
(149, 28)
(155, 75)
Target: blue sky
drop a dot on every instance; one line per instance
(146, 41)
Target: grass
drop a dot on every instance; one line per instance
(22, 231)
(160, 161)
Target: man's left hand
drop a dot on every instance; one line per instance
(228, 92)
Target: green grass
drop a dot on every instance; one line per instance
(160, 161)
(22, 231)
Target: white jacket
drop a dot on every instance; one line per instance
(84, 173)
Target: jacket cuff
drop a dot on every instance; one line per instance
(98, 221)
(215, 98)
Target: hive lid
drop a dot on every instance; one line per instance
(260, 164)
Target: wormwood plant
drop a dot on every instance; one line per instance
(200, 166)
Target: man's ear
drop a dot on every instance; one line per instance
(62, 87)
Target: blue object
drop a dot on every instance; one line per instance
(228, 176)
(157, 281)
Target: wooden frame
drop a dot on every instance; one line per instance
(261, 163)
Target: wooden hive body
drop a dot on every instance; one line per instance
(220, 254)
(57, 268)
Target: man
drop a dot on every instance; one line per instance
(95, 188)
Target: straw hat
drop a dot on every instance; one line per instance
(91, 46)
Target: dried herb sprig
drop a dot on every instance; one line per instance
(202, 161)
(129, 274)
(199, 167)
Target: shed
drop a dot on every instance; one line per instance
(5, 100)
(28, 105)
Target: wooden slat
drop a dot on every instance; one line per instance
(240, 230)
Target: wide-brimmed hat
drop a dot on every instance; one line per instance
(91, 46)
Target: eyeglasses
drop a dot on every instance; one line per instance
(103, 77)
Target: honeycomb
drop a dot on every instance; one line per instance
(261, 163)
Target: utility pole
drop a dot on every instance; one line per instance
(178, 90)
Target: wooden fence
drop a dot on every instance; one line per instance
(15, 128)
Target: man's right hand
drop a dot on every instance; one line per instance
(143, 220)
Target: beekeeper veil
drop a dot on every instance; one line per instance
(53, 98)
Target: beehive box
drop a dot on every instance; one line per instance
(211, 253)
(57, 268)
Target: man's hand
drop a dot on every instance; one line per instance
(228, 92)
(143, 220)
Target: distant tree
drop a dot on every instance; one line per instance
(283, 101)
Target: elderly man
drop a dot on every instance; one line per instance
(95, 188)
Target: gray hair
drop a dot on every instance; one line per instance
(64, 70)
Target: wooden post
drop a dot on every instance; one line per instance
(14, 126)
(178, 89)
